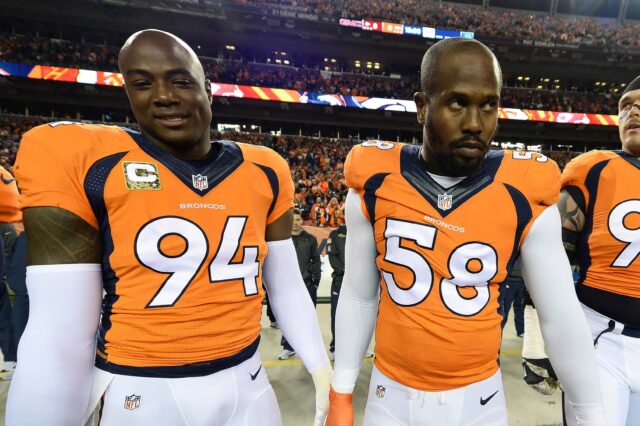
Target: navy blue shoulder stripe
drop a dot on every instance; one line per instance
(524, 213)
(591, 183)
(370, 187)
(273, 181)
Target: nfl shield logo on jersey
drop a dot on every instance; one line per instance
(132, 401)
(380, 391)
(444, 201)
(200, 182)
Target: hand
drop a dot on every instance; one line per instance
(537, 370)
(539, 375)
(322, 382)
(340, 409)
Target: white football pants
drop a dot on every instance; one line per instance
(618, 359)
(237, 396)
(393, 404)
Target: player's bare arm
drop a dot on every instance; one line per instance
(280, 229)
(572, 222)
(56, 236)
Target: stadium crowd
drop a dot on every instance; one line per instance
(522, 25)
(317, 164)
(38, 50)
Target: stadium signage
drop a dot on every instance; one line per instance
(401, 29)
(391, 28)
(284, 13)
(368, 25)
(416, 31)
(103, 78)
(351, 23)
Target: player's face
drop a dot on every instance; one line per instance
(297, 223)
(170, 97)
(461, 117)
(629, 125)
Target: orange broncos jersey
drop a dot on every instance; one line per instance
(432, 333)
(604, 185)
(9, 210)
(183, 242)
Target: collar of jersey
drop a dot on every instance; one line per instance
(216, 170)
(414, 172)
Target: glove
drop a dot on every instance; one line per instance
(537, 370)
(322, 383)
(340, 409)
(539, 374)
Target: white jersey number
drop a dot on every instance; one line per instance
(621, 233)
(183, 268)
(424, 236)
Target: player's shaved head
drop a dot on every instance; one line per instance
(430, 70)
(137, 42)
(168, 91)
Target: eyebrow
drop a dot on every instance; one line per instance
(171, 72)
(468, 95)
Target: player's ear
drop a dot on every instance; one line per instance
(421, 106)
(207, 88)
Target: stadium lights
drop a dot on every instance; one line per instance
(557, 80)
(520, 78)
(623, 84)
(333, 60)
(286, 62)
(526, 78)
(229, 47)
(546, 80)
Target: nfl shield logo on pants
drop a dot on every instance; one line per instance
(200, 182)
(380, 391)
(444, 201)
(132, 402)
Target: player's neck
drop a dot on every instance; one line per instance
(296, 233)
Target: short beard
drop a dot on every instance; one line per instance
(451, 165)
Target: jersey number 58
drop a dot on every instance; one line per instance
(458, 264)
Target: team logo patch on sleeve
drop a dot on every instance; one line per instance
(380, 390)
(132, 401)
(200, 182)
(444, 201)
(141, 176)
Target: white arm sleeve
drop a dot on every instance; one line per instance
(292, 305)
(359, 296)
(547, 274)
(56, 355)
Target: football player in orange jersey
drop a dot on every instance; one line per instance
(600, 208)
(179, 232)
(433, 231)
